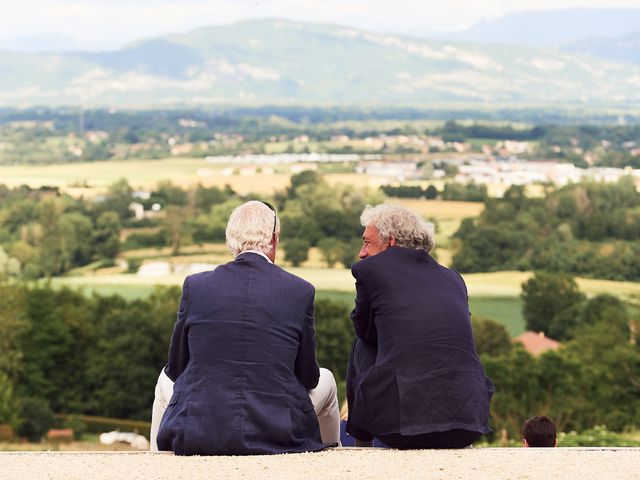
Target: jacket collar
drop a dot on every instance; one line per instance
(255, 252)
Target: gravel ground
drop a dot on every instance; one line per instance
(341, 463)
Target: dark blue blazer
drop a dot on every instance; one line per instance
(242, 355)
(427, 376)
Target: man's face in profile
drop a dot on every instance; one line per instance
(373, 244)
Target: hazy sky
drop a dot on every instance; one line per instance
(112, 23)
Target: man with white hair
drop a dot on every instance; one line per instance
(242, 376)
(414, 379)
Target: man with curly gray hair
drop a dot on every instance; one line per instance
(414, 379)
(392, 225)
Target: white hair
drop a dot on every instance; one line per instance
(251, 227)
(409, 229)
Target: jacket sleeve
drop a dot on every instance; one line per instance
(306, 367)
(179, 346)
(362, 315)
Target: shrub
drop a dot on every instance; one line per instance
(35, 418)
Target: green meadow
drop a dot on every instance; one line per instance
(495, 295)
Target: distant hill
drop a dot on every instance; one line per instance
(623, 49)
(550, 27)
(285, 62)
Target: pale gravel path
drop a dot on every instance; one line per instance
(347, 463)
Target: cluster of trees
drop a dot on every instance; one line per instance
(553, 304)
(593, 379)
(315, 214)
(312, 214)
(587, 229)
(66, 352)
(43, 233)
(470, 192)
(453, 131)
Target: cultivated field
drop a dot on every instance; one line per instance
(89, 178)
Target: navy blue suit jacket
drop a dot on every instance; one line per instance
(427, 376)
(242, 355)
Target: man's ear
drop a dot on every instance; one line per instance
(392, 241)
(524, 442)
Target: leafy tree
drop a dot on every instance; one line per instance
(330, 248)
(118, 198)
(9, 266)
(207, 197)
(56, 239)
(349, 252)
(611, 383)
(124, 363)
(35, 418)
(334, 334)
(13, 325)
(491, 337)
(218, 217)
(306, 177)
(607, 308)
(176, 227)
(296, 251)
(106, 236)
(45, 345)
(77, 228)
(431, 192)
(7, 401)
(550, 302)
(71, 385)
(297, 223)
(168, 194)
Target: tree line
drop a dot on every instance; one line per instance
(587, 229)
(463, 192)
(67, 352)
(44, 233)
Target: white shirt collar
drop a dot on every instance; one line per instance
(257, 252)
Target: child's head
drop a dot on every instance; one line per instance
(539, 432)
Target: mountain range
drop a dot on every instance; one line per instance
(548, 27)
(274, 61)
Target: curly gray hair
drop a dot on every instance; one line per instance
(406, 227)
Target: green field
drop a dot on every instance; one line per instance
(507, 310)
(495, 295)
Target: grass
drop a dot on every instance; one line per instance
(495, 295)
(508, 284)
(506, 310)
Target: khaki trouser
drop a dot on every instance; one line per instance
(324, 398)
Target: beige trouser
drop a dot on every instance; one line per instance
(324, 398)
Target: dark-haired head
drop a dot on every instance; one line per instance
(539, 432)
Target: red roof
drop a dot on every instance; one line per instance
(537, 343)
